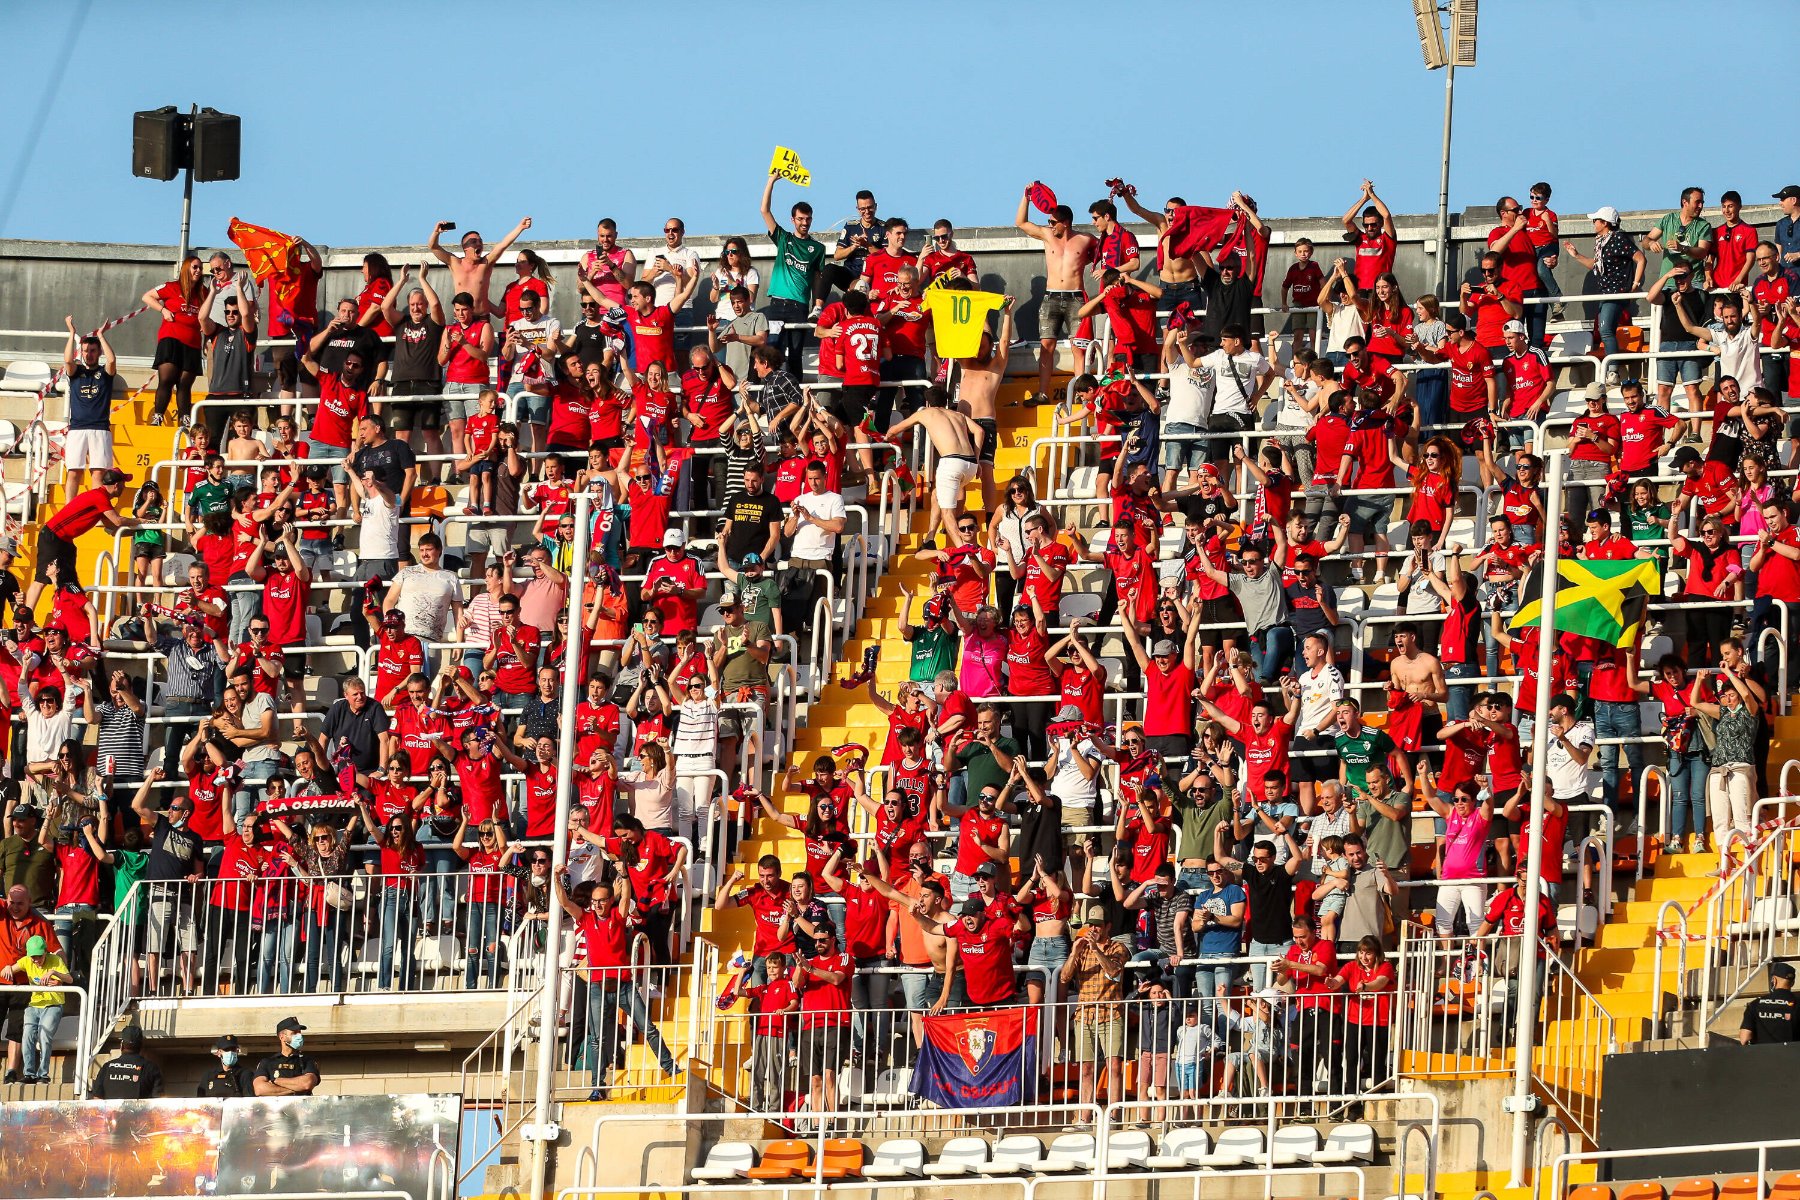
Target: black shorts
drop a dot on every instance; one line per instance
(849, 403)
(52, 549)
(820, 1046)
(12, 1015)
(424, 415)
(1221, 611)
(289, 369)
(991, 441)
(170, 351)
(1312, 768)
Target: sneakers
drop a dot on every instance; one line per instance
(1162, 392)
(156, 418)
(1556, 312)
(1612, 377)
(11, 1076)
(866, 672)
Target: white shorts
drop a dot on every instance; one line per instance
(953, 475)
(87, 449)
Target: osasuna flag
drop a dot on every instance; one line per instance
(1220, 232)
(1041, 197)
(1602, 599)
(985, 1058)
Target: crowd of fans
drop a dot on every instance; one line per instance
(1174, 799)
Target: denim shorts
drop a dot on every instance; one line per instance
(324, 450)
(459, 400)
(1369, 514)
(916, 990)
(1178, 455)
(1047, 956)
(1688, 369)
(531, 408)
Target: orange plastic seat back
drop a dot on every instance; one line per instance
(1694, 1189)
(1741, 1187)
(1642, 1191)
(1591, 1191)
(783, 1159)
(1787, 1187)
(843, 1157)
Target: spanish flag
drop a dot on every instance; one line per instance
(1603, 599)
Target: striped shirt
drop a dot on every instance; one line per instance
(697, 731)
(121, 738)
(190, 674)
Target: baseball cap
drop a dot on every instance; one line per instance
(225, 1042)
(1517, 327)
(393, 616)
(112, 475)
(9, 545)
(1790, 192)
(728, 599)
(974, 906)
(1780, 970)
(674, 537)
(753, 559)
(36, 945)
(290, 1025)
(1593, 391)
(1068, 712)
(986, 870)
(1609, 214)
(1683, 456)
(1163, 646)
(132, 1035)
(1094, 913)
(26, 812)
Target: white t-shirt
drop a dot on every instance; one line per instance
(425, 597)
(379, 534)
(1066, 781)
(809, 540)
(1568, 778)
(751, 279)
(1738, 356)
(664, 282)
(1190, 395)
(1232, 391)
(260, 706)
(1290, 414)
(539, 333)
(1320, 691)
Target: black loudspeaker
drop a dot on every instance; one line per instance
(159, 143)
(216, 138)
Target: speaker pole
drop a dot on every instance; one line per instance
(187, 185)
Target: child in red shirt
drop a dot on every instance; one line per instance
(482, 432)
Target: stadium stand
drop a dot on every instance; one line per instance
(936, 745)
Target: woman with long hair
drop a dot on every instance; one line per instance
(177, 362)
(378, 281)
(1431, 387)
(1367, 982)
(402, 860)
(1434, 480)
(734, 270)
(1028, 673)
(1006, 536)
(533, 276)
(1388, 319)
(1687, 754)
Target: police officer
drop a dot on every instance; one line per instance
(233, 1078)
(1772, 1018)
(289, 1073)
(130, 1076)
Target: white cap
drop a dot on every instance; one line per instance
(1517, 327)
(674, 537)
(1605, 212)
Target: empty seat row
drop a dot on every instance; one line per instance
(1024, 1154)
(1738, 1187)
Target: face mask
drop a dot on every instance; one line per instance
(538, 879)
(228, 1057)
(297, 1041)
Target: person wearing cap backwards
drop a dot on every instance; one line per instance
(399, 655)
(1772, 1017)
(674, 584)
(288, 1072)
(43, 1012)
(233, 1077)
(1095, 974)
(56, 537)
(982, 949)
(129, 1075)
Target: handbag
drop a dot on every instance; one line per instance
(336, 896)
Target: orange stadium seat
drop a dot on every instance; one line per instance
(1694, 1189)
(787, 1158)
(1642, 1191)
(843, 1158)
(1591, 1191)
(1741, 1187)
(1787, 1187)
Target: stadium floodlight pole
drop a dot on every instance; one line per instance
(1443, 212)
(1458, 50)
(543, 1132)
(1523, 1102)
(187, 187)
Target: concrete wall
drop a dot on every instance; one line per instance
(40, 282)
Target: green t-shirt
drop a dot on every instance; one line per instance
(741, 668)
(126, 871)
(984, 770)
(1197, 825)
(1388, 840)
(759, 598)
(209, 498)
(1356, 753)
(1648, 524)
(1693, 233)
(797, 261)
(933, 650)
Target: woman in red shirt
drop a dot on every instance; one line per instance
(1434, 482)
(533, 276)
(1388, 319)
(1687, 752)
(1028, 674)
(177, 362)
(378, 281)
(401, 859)
(486, 861)
(1368, 981)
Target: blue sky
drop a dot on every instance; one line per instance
(354, 136)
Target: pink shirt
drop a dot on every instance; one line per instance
(982, 662)
(1465, 844)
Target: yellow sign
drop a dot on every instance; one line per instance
(786, 164)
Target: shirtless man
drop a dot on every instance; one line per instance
(976, 392)
(471, 272)
(923, 896)
(1180, 278)
(1065, 253)
(958, 441)
(1415, 680)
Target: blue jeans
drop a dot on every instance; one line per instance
(1537, 316)
(1667, 369)
(1181, 455)
(244, 605)
(792, 341)
(275, 956)
(1431, 389)
(1270, 651)
(40, 1033)
(606, 1000)
(256, 774)
(1611, 313)
(1462, 698)
(1687, 795)
(437, 895)
(1617, 719)
(325, 948)
(1259, 972)
(1208, 978)
(483, 953)
(396, 926)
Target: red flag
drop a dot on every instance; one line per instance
(1042, 198)
(272, 259)
(1219, 232)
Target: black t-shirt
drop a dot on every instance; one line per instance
(286, 1066)
(1304, 613)
(1270, 893)
(128, 1077)
(90, 397)
(415, 351)
(1199, 508)
(362, 730)
(590, 342)
(1772, 1018)
(389, 461)
(1698, 306)
(1226, 303)
(359, 338)
(750, 518)
(173, 854)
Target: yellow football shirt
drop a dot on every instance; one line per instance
(958, 319)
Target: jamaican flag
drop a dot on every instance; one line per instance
(1599, 598)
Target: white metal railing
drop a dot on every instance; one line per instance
(494, 1077)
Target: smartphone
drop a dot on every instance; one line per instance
(449, 225)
